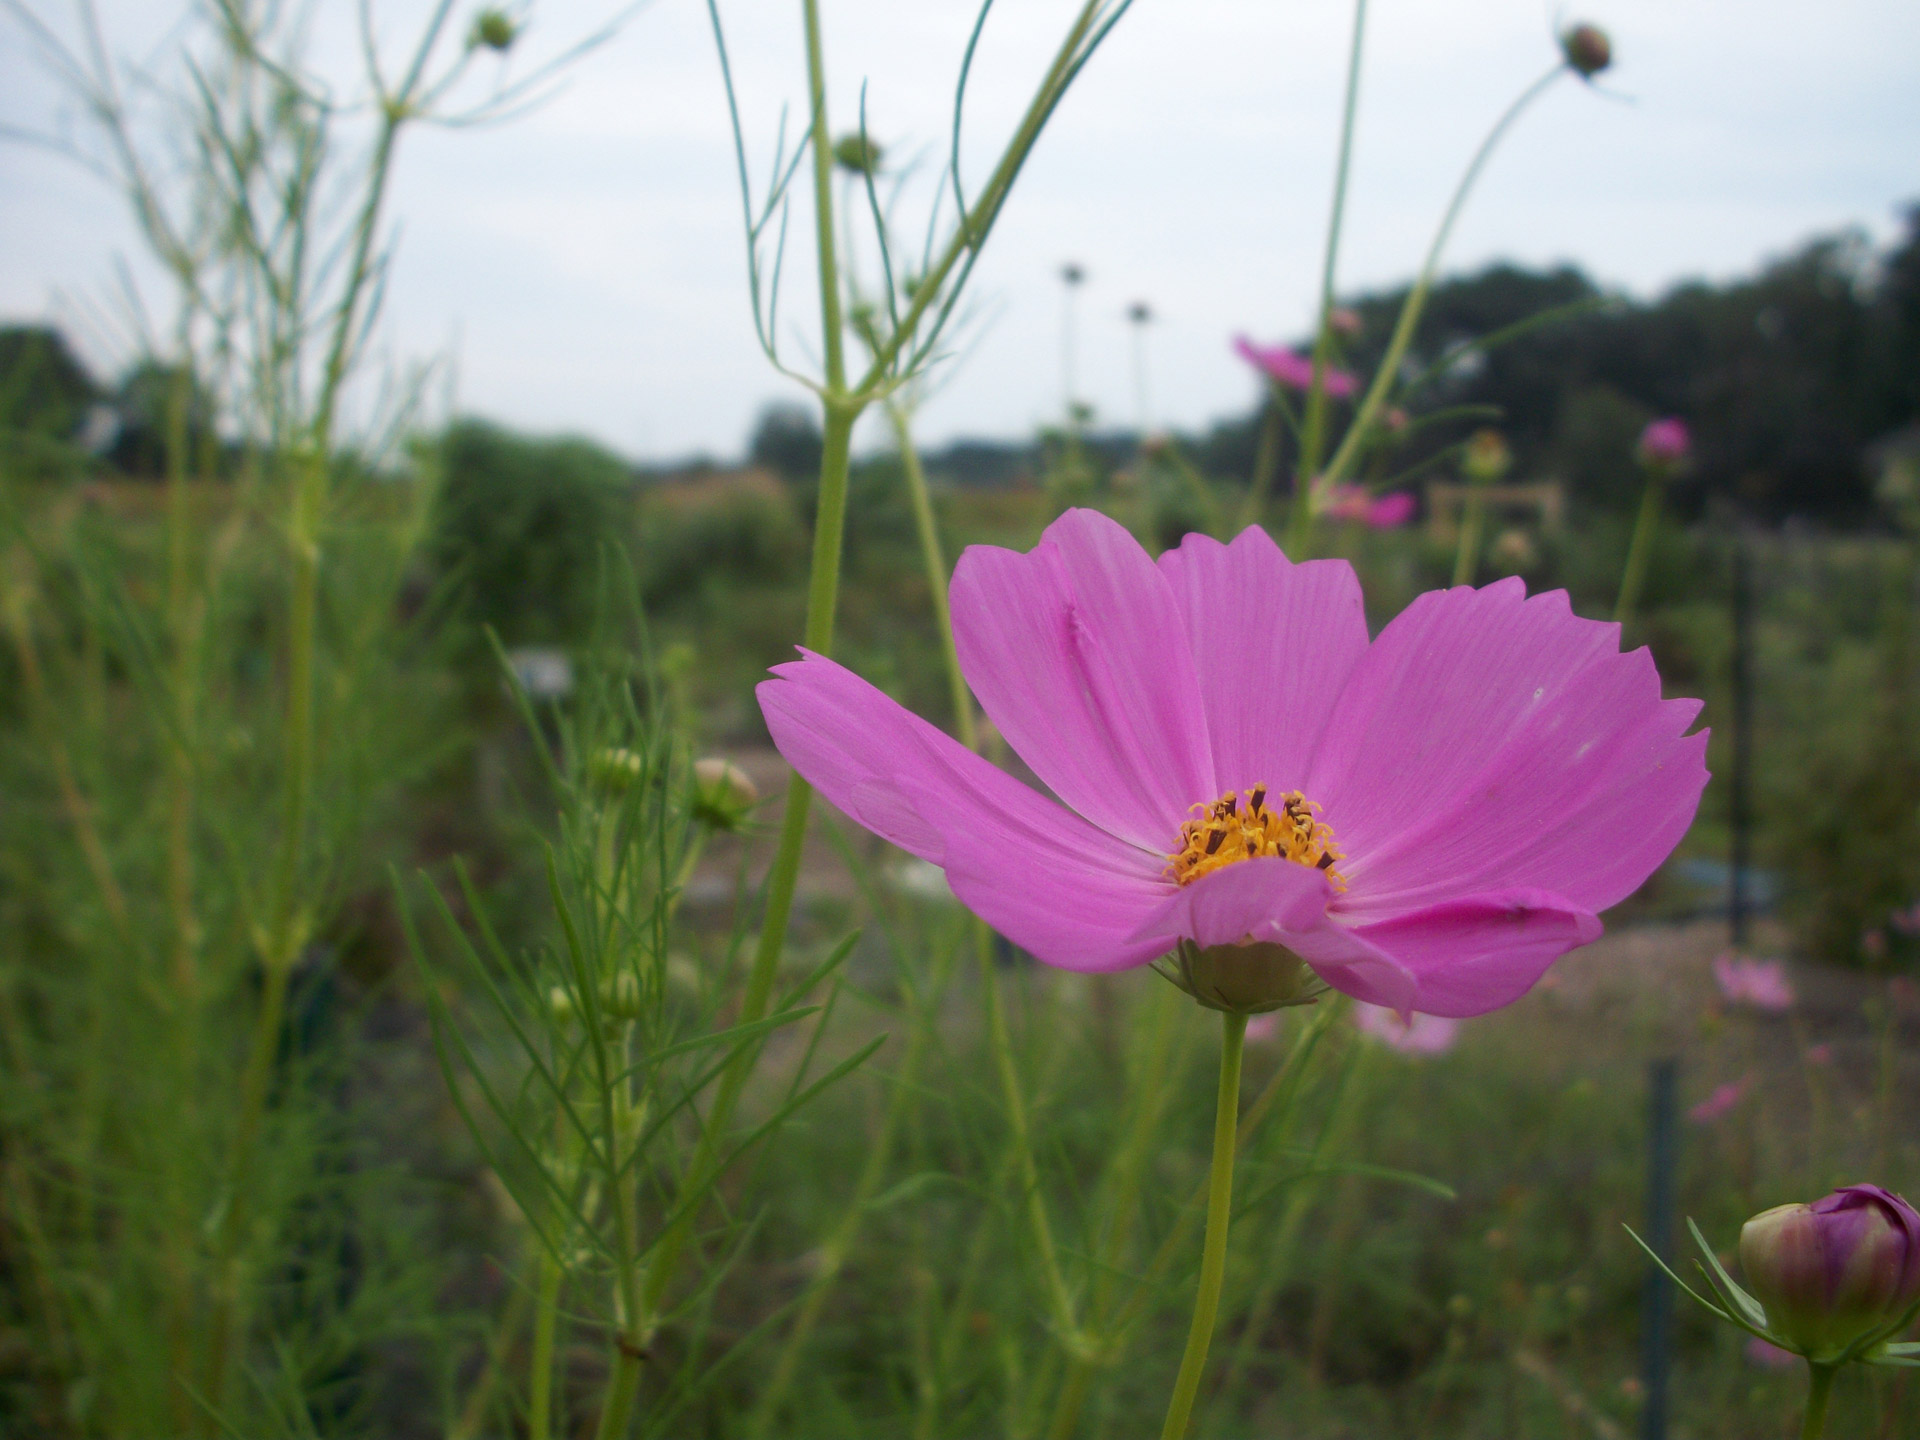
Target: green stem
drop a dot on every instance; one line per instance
(971, 234)
(1149, 1096)
(1389, 368)
(1001, 1043)
(1819, 1391)
(1466, 560)
(546, 1325)
(823, 594)
(934, 559)
(833, 1254)
(1636, 570)
(1314, 433)
(1213, 1259)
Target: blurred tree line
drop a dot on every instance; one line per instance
(1786, 379)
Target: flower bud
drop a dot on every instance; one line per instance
(1248, 979)
(1587, 48)
(1834, 1272)
(1665, 445)
(614, 768)
(1487, 456)
(493, 29)
(722, 793)
(857, 154)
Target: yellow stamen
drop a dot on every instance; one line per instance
(1228, 831)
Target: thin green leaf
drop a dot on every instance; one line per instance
(1749, 1306)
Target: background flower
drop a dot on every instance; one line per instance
(1290, 368)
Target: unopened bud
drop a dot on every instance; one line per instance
(1837, 1272)
(1665, 445)
(1344, 321)
(722, 793)
(614, 768)
(857, 154)
(493, 29)
(1248, 979)
(1587, 48)
(1487, 455)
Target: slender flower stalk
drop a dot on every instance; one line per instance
(1313, 434)
(1663, 453)
(1348, 453)
(1213, 1259)
(1634, 575)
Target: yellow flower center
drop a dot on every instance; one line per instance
(1227, 831)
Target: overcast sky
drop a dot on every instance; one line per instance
(583, 267)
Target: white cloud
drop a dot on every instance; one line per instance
(589, 256)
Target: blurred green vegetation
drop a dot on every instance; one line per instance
(1363, 1299)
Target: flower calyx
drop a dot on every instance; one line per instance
(1249, 978)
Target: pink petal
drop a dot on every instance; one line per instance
(1046, 879)
(1491, 741)
(1273, 644)
(1475, 954)
(1587, 796)
(1078, 654)
(1283, 902)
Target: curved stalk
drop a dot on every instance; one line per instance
(1635, 573)
(1213, 1259)
(1466, 559)
(1410, 312)
(1300, 522)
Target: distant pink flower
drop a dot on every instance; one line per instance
(1874, 942)
(1906, 921)
(1343, 321)
(1410, 1034)
(1763, 984)
(1358, 504)
(1723, 1099)
(1390, 512)
(1821, 1054)
(1292, 369)
(1428, 819)
(1665, 442)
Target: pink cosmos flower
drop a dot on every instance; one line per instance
(1357, 503)
(1665, 442)
(1763, 984)
(1409, 1034)
(1292, 369)
(1428, 819)
(1390, 512)
(1723, 1099)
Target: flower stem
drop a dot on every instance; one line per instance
(1300, 522)
(1636, 569)
(1819, 1391)
(1466, 560)
(1213, 1258)
(841, 410)
(1388, 372)
(934, 559)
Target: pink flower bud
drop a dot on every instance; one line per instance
(1831, 1273)
(1666, 443)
